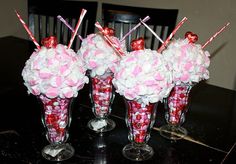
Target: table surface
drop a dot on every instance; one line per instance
(210, 121)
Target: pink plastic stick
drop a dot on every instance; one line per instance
(67, 24)
(163, 46)
(152, 31)
(28, 30)
(134, 28)
(82, 14)
(215, 35)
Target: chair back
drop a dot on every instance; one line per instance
(43, 20)
(124, 18)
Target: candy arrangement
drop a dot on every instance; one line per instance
(188, 62)
(55, 71)
(55, 74)
(98, 55)
(144, 77)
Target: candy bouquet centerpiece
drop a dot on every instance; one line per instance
(189, 65)
(55, 73)
(101, 58)
(143, 79)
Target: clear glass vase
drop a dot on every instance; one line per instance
(176, 106)
(56, 118)
(102, 96)
(139, 120)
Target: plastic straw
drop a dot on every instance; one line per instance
(82, 14)
(28, 30)
(215, 35)
(152, 31)
(109, 41)
(67, 24)
(134, 28)
(171, 35)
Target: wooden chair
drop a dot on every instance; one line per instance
(123, 18)
(43, 20)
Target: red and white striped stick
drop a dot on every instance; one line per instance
(109, 41)
(163, 46)
(28, 30)
(215, 35)
(82, 14)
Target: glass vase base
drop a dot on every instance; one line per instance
(101, 125)
(58, 152)
(173, 132)
(137, 152)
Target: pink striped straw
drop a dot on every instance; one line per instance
(69, 26)
(109, 41)
(82, 14)
(28, 30)
(215, 35)
(134, 28)
(163, 46)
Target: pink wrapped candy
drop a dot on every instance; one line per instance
(98, 55)
(54, 71)
(187, 60)
(142, 76)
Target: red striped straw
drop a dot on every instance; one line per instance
(69, 26)
(163, 46)
(109, 41)
(215, 35)
(82, 14)
(134, 28)
(28, 30)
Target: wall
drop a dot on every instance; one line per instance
(9, 24)
(204, 18)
